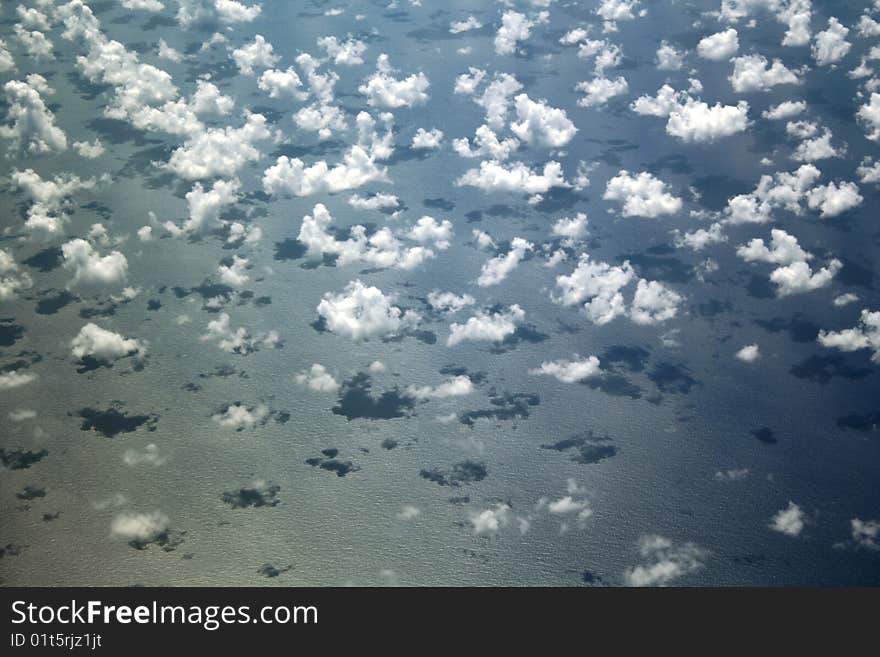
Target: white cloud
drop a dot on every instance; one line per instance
(720, 46)
(869, 114)
(11, 281)
(749, 354)
(149, 456)
(21, 414)
(449, 302)
(361, 312)
(869, 171)
(783, 250)
(92, 341)
(785, 110)
(15, 379)
(493, 327)
(456, 386)
(408, 512)
(219, 151)
(493, 176)
(239, 341)
(132, 526)
(845, 299)
(427, 139)
(470, 23)
(31, 125)
(697, 122)
(516, 27)
(617, 10)
(600, 90)
(381, 248)
(788, 521)
(666, 561)
(318, 378)
(7, 63)
(89, 150)
(540, 124)
(239, 416)
(485, 144)
(144, 5)
(570, 371)
(668, 58)
(830, 45)
(865, 335)
(654, 303)
(379, 201)
(323, 119)
(784, 189)
(571, 229)
(498, 268)
(818, 148)
(699, 239)
(865, 533)
(167, 52)
(598, 286)
(490, 521)
(343, 53)
(235, 273)
(382, 89)
(205, 206)
(834, 198)
(36, 44)
(257, 54)
(642, 195)
(755, 73)
(278, 84)
(90, 269)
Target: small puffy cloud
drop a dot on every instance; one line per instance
(257, 54)
(343, 53)
(540, 124)
(866, 533)
(219, 151)
(668, 58)
(379, 201)
(456, 386)
(89, 150)
(361, 312)
(516, 27)
(323, 119)
(788, 521)
(785, 110)
(470, 23)
(92, 341)
(240, 416)
(235, 273)
(834, 198)
(869, 171)
(90, 269)
(490, 521)
(427, 139)
(449, 302)
(149, 456)
(653, 303)
(570, 371)
(408, 512)
(7, 63)
(571, 229)
(318, 378)
(642, 195)
(783, 249)
(485, 144)
(596, 285)
(697, 122)
(15, 379)
(749, 354)
(11, 280)
(700, 238)
(830, 45)
(494, 176)
(280, 84)
(497, 269)
(139, 527)
(798, 277)
(494, 327)
(865, 335)
(842, 300)
(755, 73)
(238, 341)
(600, 90)
(612, 11)
(205, 206)
(720, 46)
(382, 89)
(818, 148)
(31, 125)
(380, 248)
(666, 561)
(869, 115)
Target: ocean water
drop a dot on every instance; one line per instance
(673, 408)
